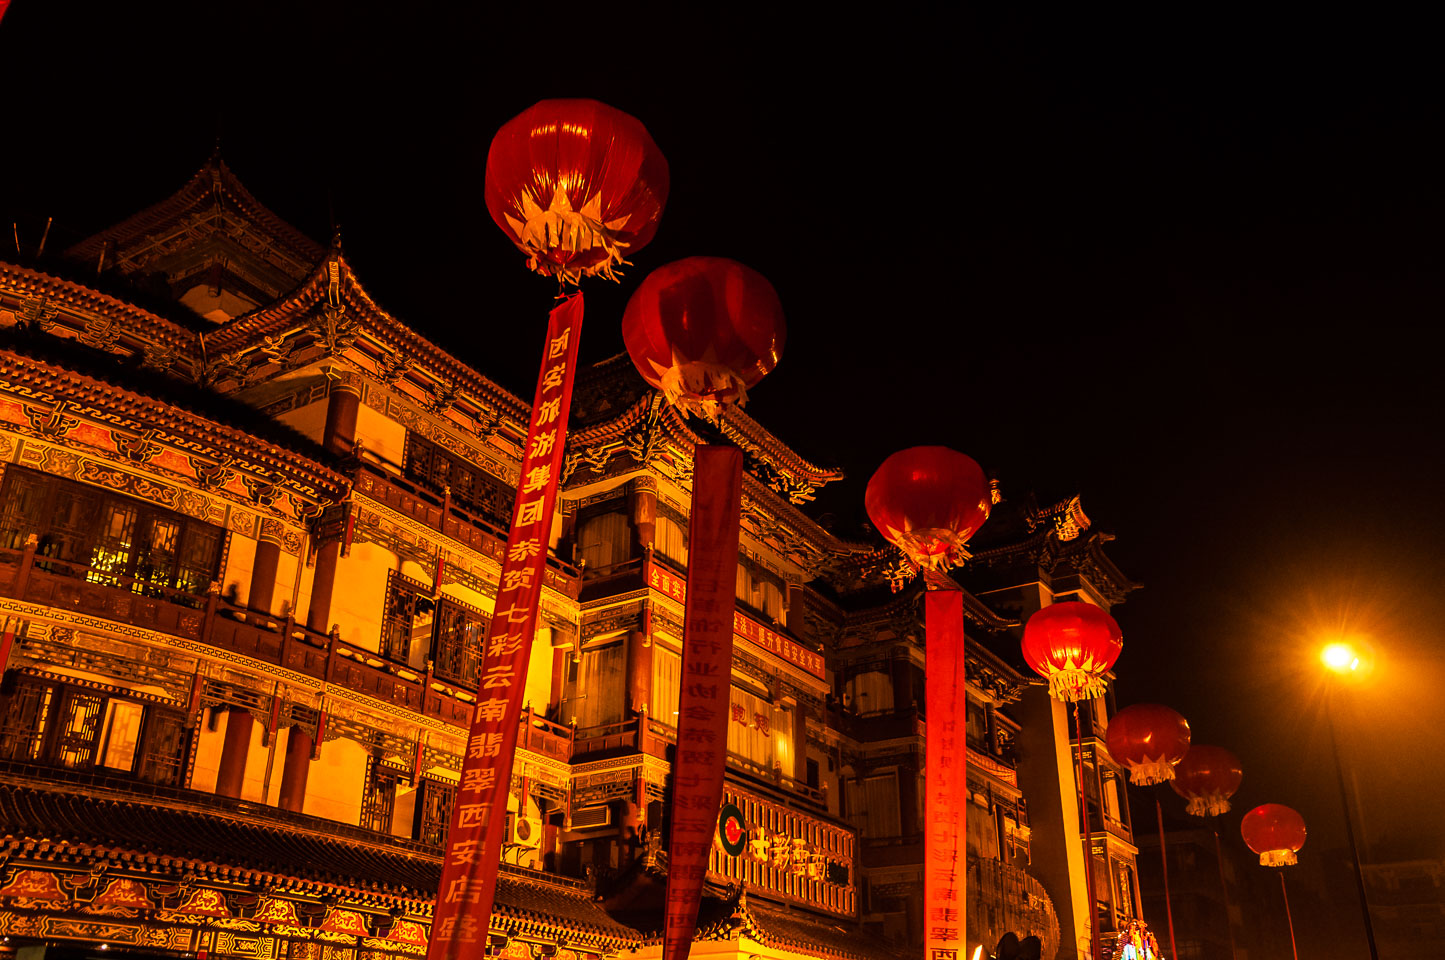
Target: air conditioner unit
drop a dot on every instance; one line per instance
(525, 831)
(587, 818)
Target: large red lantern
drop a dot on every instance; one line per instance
(1072, 645)
(1148, 739)
(1207, 777)
(577, 185)
(928, 501)
(703, 330)
(1275, 832)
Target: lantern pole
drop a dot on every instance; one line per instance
(1224, 886)
(1349, 826)
(1288, 919)
(1088, 842)
(1164, 863)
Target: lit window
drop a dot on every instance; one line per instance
(120, 734)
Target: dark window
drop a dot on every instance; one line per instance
(472, 489)
(163, 750)
(812, 768)
(434, 812)
(106, 537)
(379, 802)
(457, 642)
(23, 720)
(406, 620)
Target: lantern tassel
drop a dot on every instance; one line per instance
(1278, 858)
(702, 388)
(581, 234)
(1150, 772)
(1074, 684)
(1207, 806)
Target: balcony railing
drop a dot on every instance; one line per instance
(276, 640)
(441, 515)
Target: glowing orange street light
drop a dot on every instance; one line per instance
(1340, 657)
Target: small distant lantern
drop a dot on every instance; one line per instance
(1207, 777)
(1148, 739)
(928, 501)
(1072, 645)
(1275, 832)
(577, 185)
(704, 331)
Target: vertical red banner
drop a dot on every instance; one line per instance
(462, 917)
(707, 667)
(946, 801)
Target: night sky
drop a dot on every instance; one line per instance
(1187, 267)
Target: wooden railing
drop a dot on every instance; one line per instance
(281, 641)
(621, 735)
(441, 515)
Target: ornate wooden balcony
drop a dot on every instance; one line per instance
(276, 640)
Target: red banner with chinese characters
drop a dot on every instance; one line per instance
(946, 802)
(707, 669)
(474, 841)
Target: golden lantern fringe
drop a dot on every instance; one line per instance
(1206, 806)
(541, 234)
(1150, 772)
(1278, 858)
(1074, 684)
(930, 548)
(699, 388)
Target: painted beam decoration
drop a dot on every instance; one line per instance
(474, 840)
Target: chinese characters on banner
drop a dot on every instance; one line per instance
(946, 768)
(707, 667)
(474, 841)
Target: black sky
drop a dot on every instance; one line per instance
(1188, 266)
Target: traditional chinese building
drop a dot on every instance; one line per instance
(250, 538)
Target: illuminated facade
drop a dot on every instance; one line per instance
(246, 563)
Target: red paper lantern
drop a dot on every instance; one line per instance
(703, 330)
(1207, 777)
(1275, 832)
(1148, 739)
(577, 185)
(927, 501)
(1072, 645)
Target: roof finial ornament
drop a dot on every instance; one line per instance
(336, 238)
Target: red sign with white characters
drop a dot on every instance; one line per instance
(664, 580)
(474, 841)
(707, 672)
(946, 769)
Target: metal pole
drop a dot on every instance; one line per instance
(1088, 843)
(1224, 886)
(1164, 863)
(1287, 918)
(1350, 829)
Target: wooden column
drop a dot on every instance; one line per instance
(232, 774)
(644, 514)
(263, 577)
(323, 583)
(639, 672)
(299, 744)
(903, 692)
(800, 743)
(341, 407)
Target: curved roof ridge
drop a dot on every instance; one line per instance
(735, 419)
(215, 174)
(77, 292)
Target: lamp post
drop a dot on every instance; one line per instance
(1343, 660)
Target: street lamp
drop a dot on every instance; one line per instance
(1344, 660)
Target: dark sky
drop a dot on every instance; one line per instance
(1186, 265)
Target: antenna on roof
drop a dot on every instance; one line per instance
(15, 227)
(43, 237)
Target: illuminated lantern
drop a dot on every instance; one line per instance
(1072, 645)
(703, 330)
(577, 185)
(1275, 832)
(1149, 740)
(927, 501)
(1207, 777)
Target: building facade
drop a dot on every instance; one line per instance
(250, 536)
